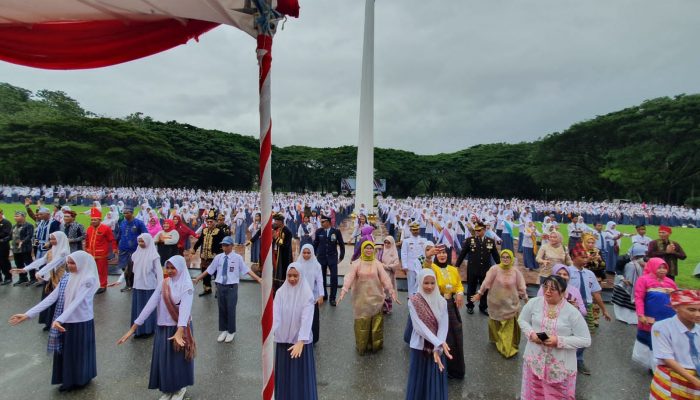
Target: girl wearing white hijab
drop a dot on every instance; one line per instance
(310, 270)
(292, 310)
(427, 378)
(172, 363)
(72, 334)
(148, 275)
(51, 267)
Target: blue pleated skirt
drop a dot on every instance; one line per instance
(295, 379)
(529, 258)
(139, 298)
(76, 365)
(520, 242)
(610, 260)
(170, 371)
(506, 242)
(255, 251)
(408, 331)
(425, 381)
(46, 316)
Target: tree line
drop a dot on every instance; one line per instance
(647, 152)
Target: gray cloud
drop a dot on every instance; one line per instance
(448, 75)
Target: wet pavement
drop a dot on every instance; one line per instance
(233, 370)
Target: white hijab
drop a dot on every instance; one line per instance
(182, 282)
(437, 303)
(86, 275)
(307, 269)
(143, 258)
(289, 303)
(62, 247)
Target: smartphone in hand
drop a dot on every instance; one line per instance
(542, 336)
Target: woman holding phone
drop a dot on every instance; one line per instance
(554, 329)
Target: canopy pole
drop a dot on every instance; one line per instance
(264, 53)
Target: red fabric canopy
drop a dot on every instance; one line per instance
(93, 44)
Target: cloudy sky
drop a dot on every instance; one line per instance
(448, 74)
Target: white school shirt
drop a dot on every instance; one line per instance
(79, 310)
(669, 341)
(235, 269)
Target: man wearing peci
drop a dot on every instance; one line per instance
(330, 250)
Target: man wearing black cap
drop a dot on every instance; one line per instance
(5, 237)
(281, 250)
(327, 244)
(478, 250)
(210, 242)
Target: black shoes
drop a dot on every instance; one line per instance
(126, 289)
(6, 282)
(205, 293)
(582, 368)
(100, 290)
(333, 303)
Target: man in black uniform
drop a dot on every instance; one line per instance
(210, 242)
(478, 250)
(281, 250)
(327, 244)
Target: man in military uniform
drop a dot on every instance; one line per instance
(411, 249)
(210, 242)
(478, 250)
(281, 250)
(330, 250)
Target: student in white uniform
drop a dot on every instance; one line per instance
(229, 268)
(676, 343)
(72, 334)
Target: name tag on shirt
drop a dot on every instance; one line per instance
(231, 268)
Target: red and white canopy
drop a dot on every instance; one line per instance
(78, 34)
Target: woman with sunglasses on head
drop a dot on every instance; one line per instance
(554, 329)
(451, 289)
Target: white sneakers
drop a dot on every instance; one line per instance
(179, 395)
(225, 337)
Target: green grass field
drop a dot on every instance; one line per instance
(689, 238)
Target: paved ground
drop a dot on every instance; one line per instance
(233, 371)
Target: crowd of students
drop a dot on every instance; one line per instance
(557, 325)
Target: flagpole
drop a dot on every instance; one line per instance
(364, 183)
(264, 53)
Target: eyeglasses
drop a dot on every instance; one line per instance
(550, 289)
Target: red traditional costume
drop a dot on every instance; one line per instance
(97, 243)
